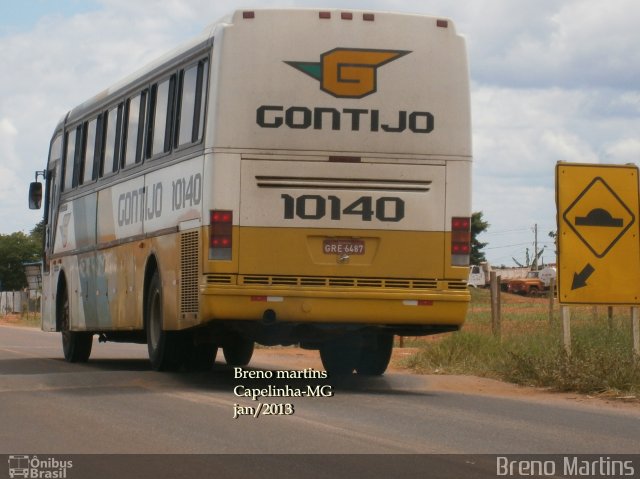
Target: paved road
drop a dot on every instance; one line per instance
(116, 404)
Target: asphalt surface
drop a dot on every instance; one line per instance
(115, 404)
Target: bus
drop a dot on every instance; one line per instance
(290, 177)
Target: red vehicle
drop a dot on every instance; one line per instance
(530, 285)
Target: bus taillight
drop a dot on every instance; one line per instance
(220, 234)
(460, 241)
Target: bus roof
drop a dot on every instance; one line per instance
(142, 76)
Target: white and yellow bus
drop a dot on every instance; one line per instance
(289, 177)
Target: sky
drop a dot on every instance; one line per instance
(551, 80)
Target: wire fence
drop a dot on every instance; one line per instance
(19, 302)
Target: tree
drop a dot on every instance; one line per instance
(478, 225)
(37, 233)
(554, 236)
(16, 249)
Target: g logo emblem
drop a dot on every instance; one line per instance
(347, 72)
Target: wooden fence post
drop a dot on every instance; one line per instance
(566, 328)
(552, 295)
(495, 304)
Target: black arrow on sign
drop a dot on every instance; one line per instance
(580, 279)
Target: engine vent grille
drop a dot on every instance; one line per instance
(189, 271)
(220, 279)
(347, 282)
(458, 285)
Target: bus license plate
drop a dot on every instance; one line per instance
(343, 246)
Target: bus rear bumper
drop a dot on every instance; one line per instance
(302, 305)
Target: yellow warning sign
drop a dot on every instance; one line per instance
(598, 234)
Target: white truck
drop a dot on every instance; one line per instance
(479, 275)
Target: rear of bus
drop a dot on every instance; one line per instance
(340, 181)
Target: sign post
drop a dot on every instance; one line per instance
(635, 321)
(565, 312)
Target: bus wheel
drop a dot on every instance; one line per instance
(76, 345)
(340, 355)
(165, 347)
(238, 351)
(376, 354)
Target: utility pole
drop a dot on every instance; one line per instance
(535, 247)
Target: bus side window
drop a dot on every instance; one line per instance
(134, 130)
(89, 151)
(50, 201)
(70, 158)
(190, 120)
(111, 127)
(161, 115)
(203, 78)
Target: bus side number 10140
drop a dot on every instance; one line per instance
(316, 207)
(186, 192)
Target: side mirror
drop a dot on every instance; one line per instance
(35, 195)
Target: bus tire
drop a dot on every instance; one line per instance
(238, 351)
(76, 345)
(340, 355)
(165, 348)
(375, 355)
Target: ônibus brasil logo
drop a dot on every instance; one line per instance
(348, 72)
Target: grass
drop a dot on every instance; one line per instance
(530, 351)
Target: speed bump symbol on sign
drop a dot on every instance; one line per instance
(601, 227)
